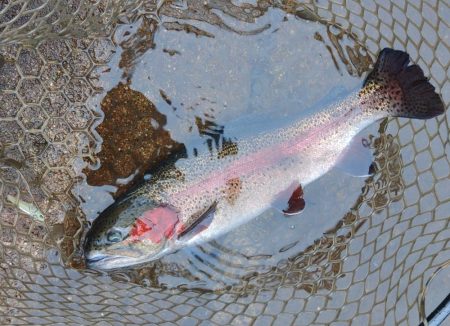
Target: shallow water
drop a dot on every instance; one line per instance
(243, 84)
(383, 236)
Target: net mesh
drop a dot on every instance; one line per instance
(368, 269)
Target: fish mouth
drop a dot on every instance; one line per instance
(95, 259)
(101, 261)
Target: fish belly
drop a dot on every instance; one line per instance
(259, 191)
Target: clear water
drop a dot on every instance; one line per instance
(387, 234)
(245, 84)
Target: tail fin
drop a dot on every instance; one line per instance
(402, 90)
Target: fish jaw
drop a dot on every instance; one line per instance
(99, 261)
(115, 259)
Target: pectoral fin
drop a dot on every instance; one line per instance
(290, 201)
(199, 224)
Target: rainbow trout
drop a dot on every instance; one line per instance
(204, 197)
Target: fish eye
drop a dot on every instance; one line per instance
(114, 236)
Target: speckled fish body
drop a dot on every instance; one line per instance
(233, 189)
(243, 185)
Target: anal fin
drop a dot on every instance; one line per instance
(357, 158)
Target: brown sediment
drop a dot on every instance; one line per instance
(133, 139)
(136, 46)
(175, 26)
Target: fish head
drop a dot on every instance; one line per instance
(129, 233)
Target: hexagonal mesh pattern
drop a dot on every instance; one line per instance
(369, 269)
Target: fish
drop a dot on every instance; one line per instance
(27, 208)
(200, 198)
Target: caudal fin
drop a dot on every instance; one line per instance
(401, 89)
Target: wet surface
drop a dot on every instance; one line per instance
(208, 75)
(206, 85)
